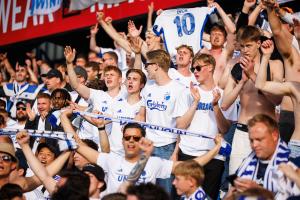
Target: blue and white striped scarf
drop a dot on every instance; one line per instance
(199, 194)
(249, 166)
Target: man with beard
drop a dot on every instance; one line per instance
(19, 89)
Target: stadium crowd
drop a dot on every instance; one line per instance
(177, 113)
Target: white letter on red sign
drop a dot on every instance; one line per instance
(4, 14)
(15, 11)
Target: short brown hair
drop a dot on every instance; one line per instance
(190, 168)
(218, 27)
(112, 68)
(248, 34)
(161, 58)
(93, 65)
(43, 95)
(140, 72)
(265, 119)
(190, 48)
(206, 58)
(113, 55)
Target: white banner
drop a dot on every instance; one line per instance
(82, 4)
(44, 7)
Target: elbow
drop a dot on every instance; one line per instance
(259, 86)
(224, 107)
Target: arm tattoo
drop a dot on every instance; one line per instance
(137, 169)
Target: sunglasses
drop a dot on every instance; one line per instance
(198, 68)
(21, 108)
(5, 158)
(135, 138)
(147, 64)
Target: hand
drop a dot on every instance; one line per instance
(108, 20)
(267, 47)
(247, 65)
(146, 146)
(249, 3)
(28, 62)
(3, 56)
(31, 114)
(44, 115)
(151, 8)
(69, 54)
(94, 30)
(98, 122)
(242, 184)
(22, 138)
(245, 78)
(195, 93)
(296, 28)
(100, 16)
(132, 30)
(218, 140)
(214, 4)
(158, 12)
(216, 97)
(288, 171)
(30, 55)
(269, 3)
(136, 44)
(75, 106)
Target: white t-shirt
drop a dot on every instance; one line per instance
(203, 122)
(122, 110)
(160, 103)
(182, 26)
(118, 169)
(185, 80)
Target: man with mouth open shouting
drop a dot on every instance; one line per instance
(135, 146)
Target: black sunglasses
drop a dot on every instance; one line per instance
(147, 64)
(6, 158)
(21, 108)
(198, 68)
(135, 138)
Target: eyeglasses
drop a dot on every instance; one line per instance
(128, 138)
(5, 158)
(198, 68)
(21, 108)
(147, 64)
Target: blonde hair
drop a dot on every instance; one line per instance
(190, 168)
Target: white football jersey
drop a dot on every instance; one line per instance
(182, 26)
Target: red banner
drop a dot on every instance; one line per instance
(17, 24)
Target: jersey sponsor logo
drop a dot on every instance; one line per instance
(104, 109)
(155, 105)
(205, 106)
(122, 177)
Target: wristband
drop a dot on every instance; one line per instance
(101, 128)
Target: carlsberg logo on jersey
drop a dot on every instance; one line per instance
(155, 105)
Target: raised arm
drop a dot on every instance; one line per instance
(37, 167)
(7, 65)
(112, 32)
(82, 90)
(32, 75)
(227, 21)
(93, 44)
(222, 123)
(261, 82)
(185, 120)
(204, 159)
(90, 154)
(232, 91)
(150, 13)
(281, 35)
(254, 14)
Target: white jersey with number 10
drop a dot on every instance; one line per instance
(182, 26)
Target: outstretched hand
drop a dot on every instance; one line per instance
(132, 30)
(69, 54)
(146, 146)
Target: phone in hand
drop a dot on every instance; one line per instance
(231, 178)
(236, 72)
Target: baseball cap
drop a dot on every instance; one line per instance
(80, 71)
(97, 171)
(54, 73)
(9, 149)
(21, 102)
